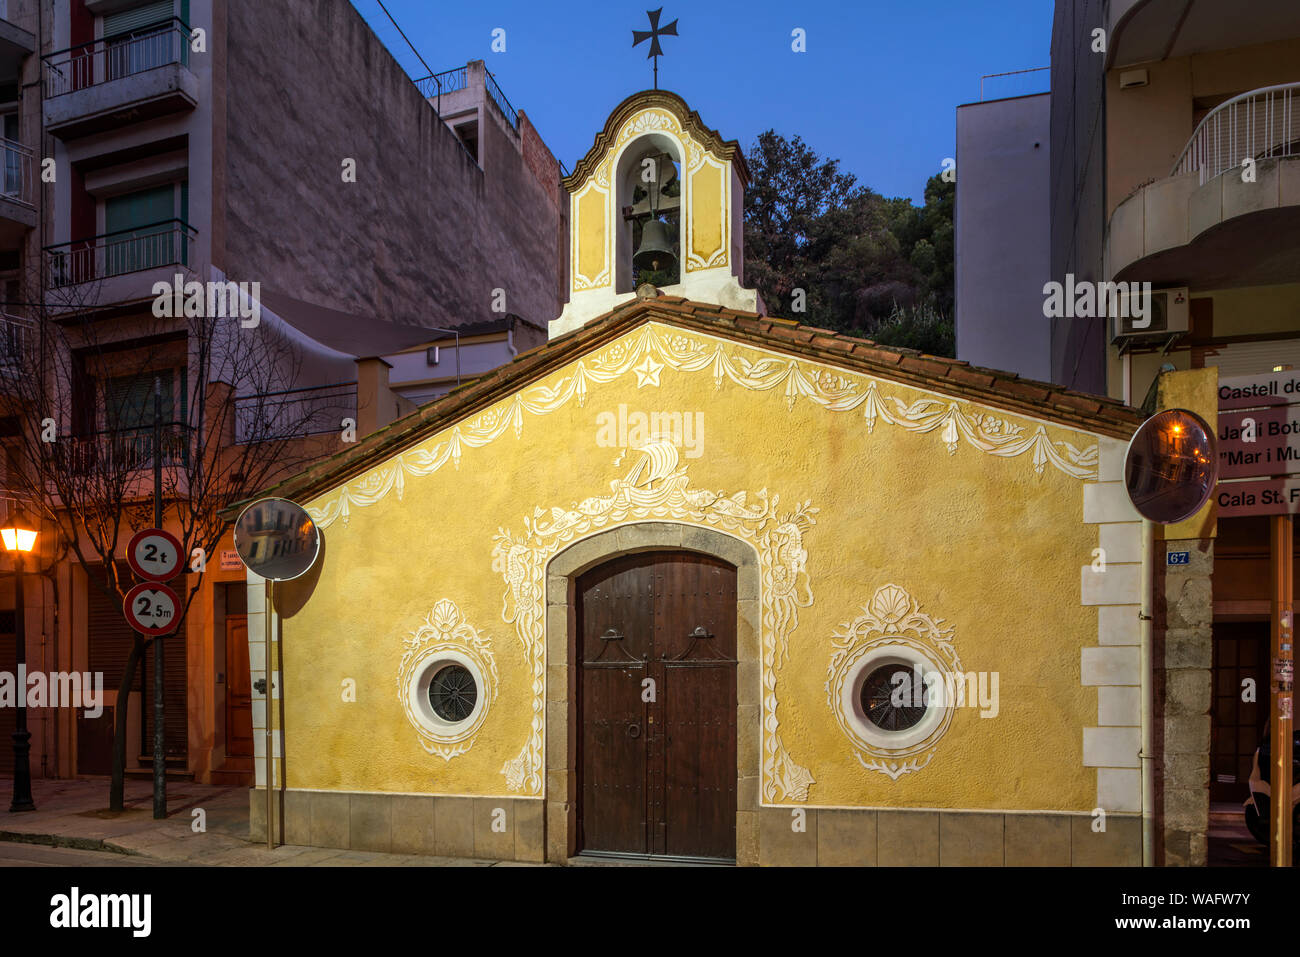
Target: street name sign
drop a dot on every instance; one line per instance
(1257, 391)
(1263, 497)
(1259, 443)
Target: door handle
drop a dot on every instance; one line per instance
(634, 730)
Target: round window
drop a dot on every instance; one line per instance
(453, 693)
(890, 702)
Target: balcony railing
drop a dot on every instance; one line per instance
(1261, 124)
(17, 183)
(436, 84)
(294, 413)
(447, 81)
(118, 451)
(169, 243)
(116, 57)
(16, 336)
(502, 104)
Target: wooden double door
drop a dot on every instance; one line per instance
(657, 706)
(1240, 652)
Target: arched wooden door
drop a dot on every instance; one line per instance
(657, 706)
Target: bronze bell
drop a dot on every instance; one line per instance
(656, 251)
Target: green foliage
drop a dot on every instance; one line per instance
(918, 328)
(868, 265)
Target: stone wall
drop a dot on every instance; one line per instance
(1183, 685)
(423, 235)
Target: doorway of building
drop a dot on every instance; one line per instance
(656, 705)
(239, 691)
(1237, 725)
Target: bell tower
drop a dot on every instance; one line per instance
(658, 198)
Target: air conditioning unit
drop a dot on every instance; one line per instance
(1166, 316)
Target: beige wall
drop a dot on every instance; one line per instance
(1147, 127)
(1241, 312)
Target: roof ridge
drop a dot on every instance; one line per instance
(1006, 390)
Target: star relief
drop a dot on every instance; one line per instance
(647, 373)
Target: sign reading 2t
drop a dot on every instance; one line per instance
(154, 555)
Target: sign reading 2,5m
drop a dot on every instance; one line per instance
(151, 609)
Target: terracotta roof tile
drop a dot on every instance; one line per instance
(971, 377)
(1022, 389)
(929, 367)
(876, 354)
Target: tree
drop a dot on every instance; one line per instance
(866, 265)
(81, 440)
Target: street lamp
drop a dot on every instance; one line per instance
(19, 539)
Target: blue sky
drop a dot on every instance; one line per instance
(877, 88)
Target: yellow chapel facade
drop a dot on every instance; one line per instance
(696, 583)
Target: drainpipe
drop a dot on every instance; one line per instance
(1148, 696)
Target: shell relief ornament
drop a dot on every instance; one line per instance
(893, 723)
(446, 681)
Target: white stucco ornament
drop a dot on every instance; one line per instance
(892, 630)
(446, 640)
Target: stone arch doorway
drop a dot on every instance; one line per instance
(700, 554)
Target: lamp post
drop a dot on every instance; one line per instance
(19, 539)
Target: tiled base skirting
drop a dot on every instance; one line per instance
(500, 829)
(888, 838)
(512, 830)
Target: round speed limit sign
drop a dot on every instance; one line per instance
(154, 554)
(151, 608)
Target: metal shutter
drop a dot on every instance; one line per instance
(1255, 358)
(110, 642)
(148, 15)
(8, 716)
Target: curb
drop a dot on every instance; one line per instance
(60, 840)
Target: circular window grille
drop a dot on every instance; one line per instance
(453, 693)
(891, 704)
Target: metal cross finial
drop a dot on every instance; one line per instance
(653, 35)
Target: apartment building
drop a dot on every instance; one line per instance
(1003, 158)
(1174, 160)
(1180, 166)
(276, 144)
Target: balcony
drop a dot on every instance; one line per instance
(123, 266)
(294, 413)
(17, 193)
(16, 45)
(106, 83)
(17, 349)
(1217, 221)
(1140, 31)
(120, 452)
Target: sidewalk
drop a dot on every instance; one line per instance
(72, 813)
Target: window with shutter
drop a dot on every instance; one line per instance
(140, 39)
(128, 418)
(142, 234)
(138, 18)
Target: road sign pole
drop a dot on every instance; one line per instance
(270, 767)
(278, 541)
(159, 744)
(1282, 718)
